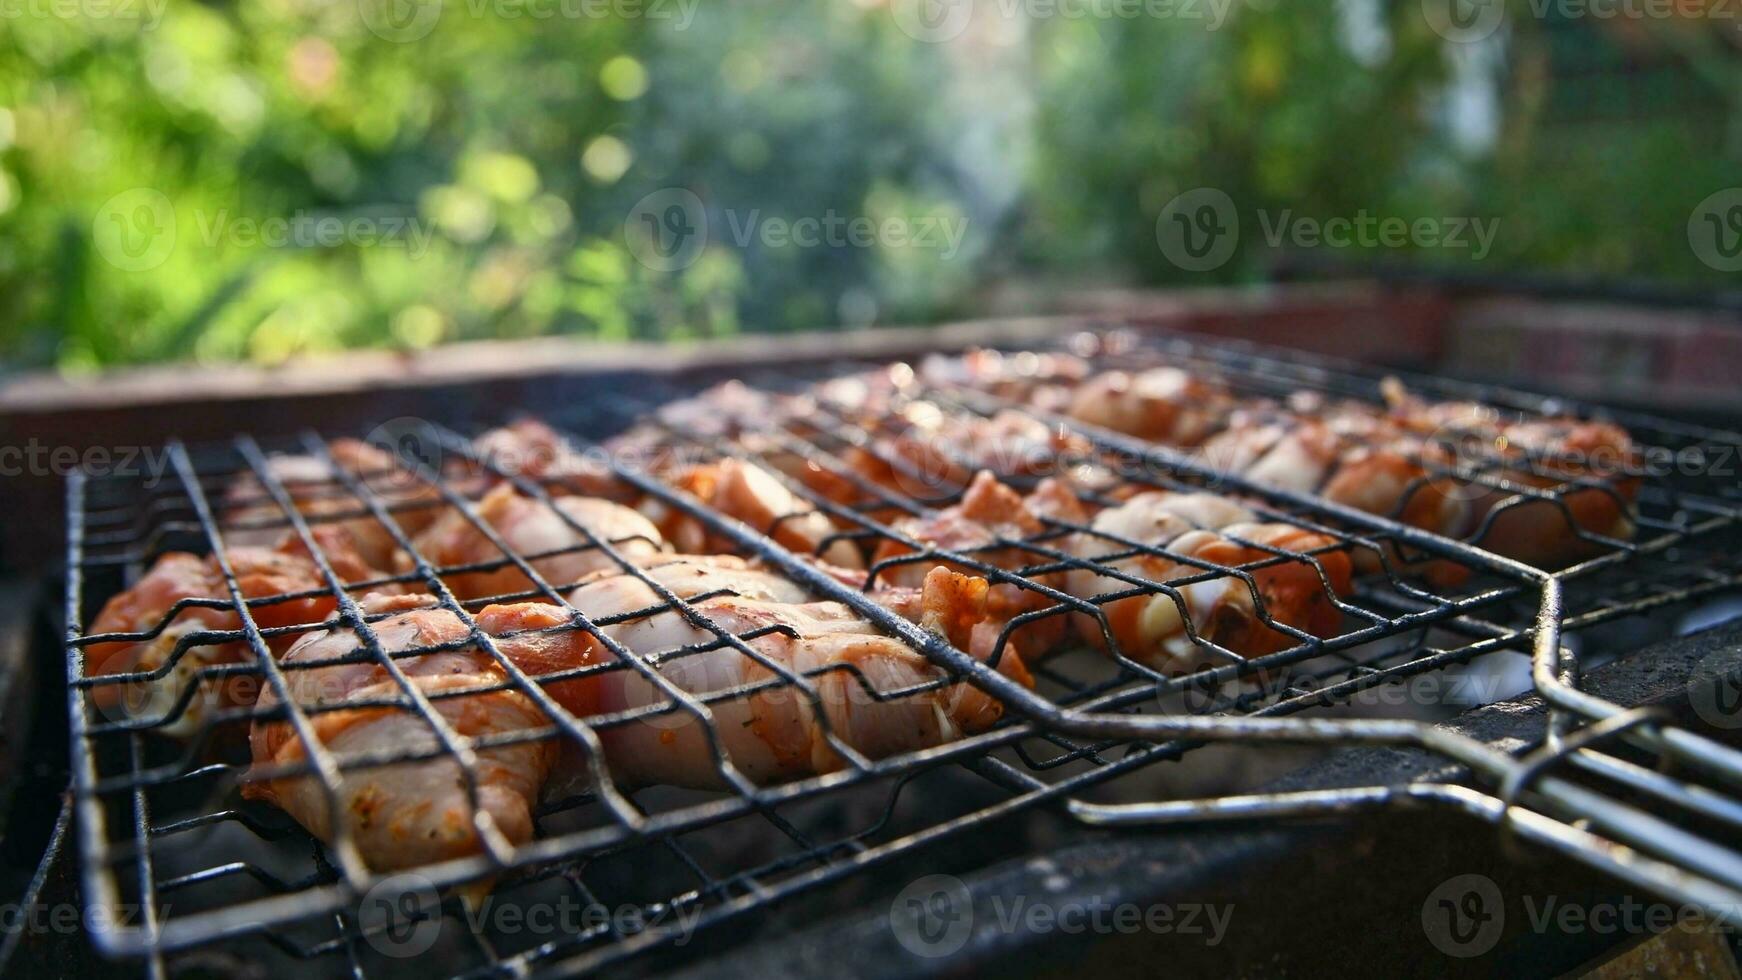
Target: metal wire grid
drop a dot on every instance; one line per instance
(1079, 725)
(1670, 517)
(1691, 464)
(137, 778)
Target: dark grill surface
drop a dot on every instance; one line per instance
(165, 836)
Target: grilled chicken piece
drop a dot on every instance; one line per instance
(1150, 628)
(1007, 442)
(526, 447)
(752, 495)
(774, 732)
(1590, 467)
(1020, 375)
(926, 451)
(1398, 463)
(261, 574)
(409, 813)
(403, 814)
(988, 513)
(530, 448)
(731, 486)
(1164, 404)
(729, 409)
(534, 530)
(1349, 454)
(1284, 451)
(250, 517)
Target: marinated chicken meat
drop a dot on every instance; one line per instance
(410, 813)
(877, 695)
(250, 515)
(185, 595)
(980, 527)
(753, 495)
(993, 525)
(1162, 537)
(1457, 469)
(563, 540)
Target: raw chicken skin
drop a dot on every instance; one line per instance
(752, 495)
(260, 574)
(1150, 629)
(988, 512)
(774, 733)
(319, 496)
(406, 814)
(532, 527)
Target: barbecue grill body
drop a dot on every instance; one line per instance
(1293, 890)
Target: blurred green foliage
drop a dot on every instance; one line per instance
(510, 141)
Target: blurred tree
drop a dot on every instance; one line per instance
(256, 180)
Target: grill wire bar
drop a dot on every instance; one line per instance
(142, 810)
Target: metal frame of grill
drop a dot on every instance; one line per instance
(1063, 738)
